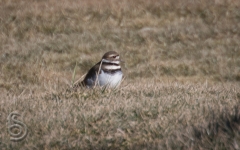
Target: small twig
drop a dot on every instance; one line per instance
(96, 81)
(74, 73)
(80, 79)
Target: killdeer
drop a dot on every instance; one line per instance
(107, 72)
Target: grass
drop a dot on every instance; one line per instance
(182, 73)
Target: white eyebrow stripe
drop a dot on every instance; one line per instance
(113, 55)
(107, 61)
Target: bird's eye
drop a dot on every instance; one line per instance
(114, 56)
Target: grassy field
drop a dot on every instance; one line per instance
(182, 74)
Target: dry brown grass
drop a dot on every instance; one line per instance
(182, 73)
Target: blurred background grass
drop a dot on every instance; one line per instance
(180, 39)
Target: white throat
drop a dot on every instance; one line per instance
(108, 61)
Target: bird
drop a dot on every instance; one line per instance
(106, 73)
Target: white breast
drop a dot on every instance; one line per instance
(111, 80)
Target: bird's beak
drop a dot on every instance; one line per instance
(122, 61)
